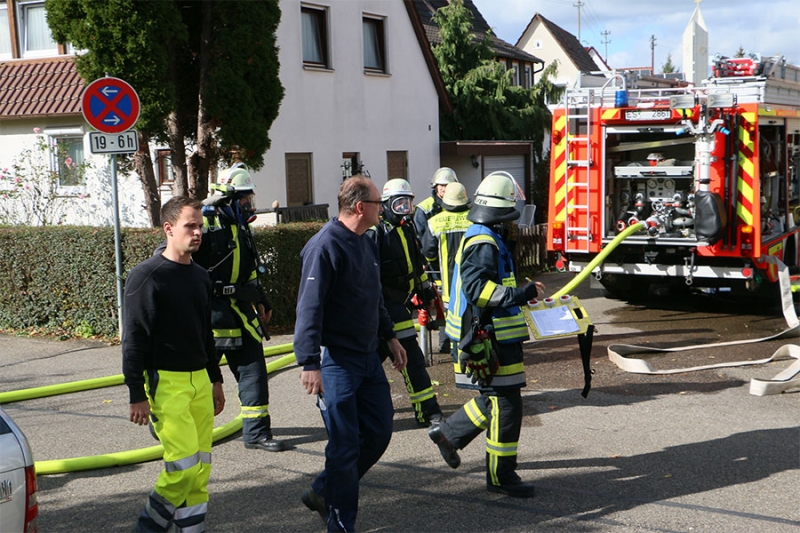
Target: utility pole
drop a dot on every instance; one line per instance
(579, 5)
(652, 55)
(606, 40)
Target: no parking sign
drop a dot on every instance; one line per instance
(110, 105)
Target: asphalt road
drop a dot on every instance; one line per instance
(689, 452)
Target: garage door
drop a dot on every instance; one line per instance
(514, 165)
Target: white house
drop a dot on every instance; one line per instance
(362, 92)
(474, 160)
(550, 42)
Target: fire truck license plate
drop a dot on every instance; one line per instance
(652, 114)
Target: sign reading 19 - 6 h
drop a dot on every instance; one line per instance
(111, 106)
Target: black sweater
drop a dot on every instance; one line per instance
(166, 322)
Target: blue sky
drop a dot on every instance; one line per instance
(766, 27)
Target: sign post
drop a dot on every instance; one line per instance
(111, 106)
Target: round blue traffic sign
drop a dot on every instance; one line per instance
(110, 105)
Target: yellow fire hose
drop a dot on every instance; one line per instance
(99, 383)
(151, 453)
(577, 280)
(58, 466)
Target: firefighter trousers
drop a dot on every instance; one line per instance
(417, 380)
(250, 370)
(357, 410)
(182, 413)
(499, 412)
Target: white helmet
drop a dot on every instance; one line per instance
(443, 176)
(235, 185)
(236, 177)
(495, 200)
(396, 187)
(398, 201)
(455, 197)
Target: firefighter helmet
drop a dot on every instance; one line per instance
(455, 197)
(495, 200)
(237, 185)
(443, 176)
(398, 200)
(237, 177)
(396, 187)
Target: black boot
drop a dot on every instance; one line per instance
(315, 502)
(444, 343)
(266, 443)
(447, 450)
(515, 489)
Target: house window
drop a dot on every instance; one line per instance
(36, 38)
(315, 36)
(67, 158)
(299, 184)
(397, 164)
(165, 174)
(351, 164)
(5, 34)
(515, 75)
(526, 80)
(374, 44)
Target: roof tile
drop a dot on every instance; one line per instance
(50, 86)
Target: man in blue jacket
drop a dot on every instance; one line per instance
(340, 316)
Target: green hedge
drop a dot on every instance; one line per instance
(62, 279)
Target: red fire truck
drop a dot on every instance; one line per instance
(712, 170)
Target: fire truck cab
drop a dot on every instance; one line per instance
(713, 171)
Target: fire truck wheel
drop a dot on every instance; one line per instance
(625, 286)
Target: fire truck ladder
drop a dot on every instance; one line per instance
(578, 113)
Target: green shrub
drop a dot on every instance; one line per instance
(61, 279)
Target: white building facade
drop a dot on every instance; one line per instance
(359, 95)
(362, 92)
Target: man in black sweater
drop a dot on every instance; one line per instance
(169, 364)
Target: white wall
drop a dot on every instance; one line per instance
(88, 205)
(323, 112)
(344, 110)
(468, 175)
(538, 41)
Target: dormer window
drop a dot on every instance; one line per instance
(5, 33)
(35, 37)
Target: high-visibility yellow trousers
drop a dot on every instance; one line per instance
(182, 413)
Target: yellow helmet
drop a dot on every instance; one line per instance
(455, 197)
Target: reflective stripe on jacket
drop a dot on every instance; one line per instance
(492, 286)
(228, 256)
(446, 231)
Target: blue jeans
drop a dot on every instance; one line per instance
(357, 410)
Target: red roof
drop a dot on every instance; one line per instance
(42, 87)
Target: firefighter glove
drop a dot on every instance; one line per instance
(479, 362)
(531, 291)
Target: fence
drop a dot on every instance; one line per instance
(530, 252)
(301, 213)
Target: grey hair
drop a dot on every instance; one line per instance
(353, 190)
